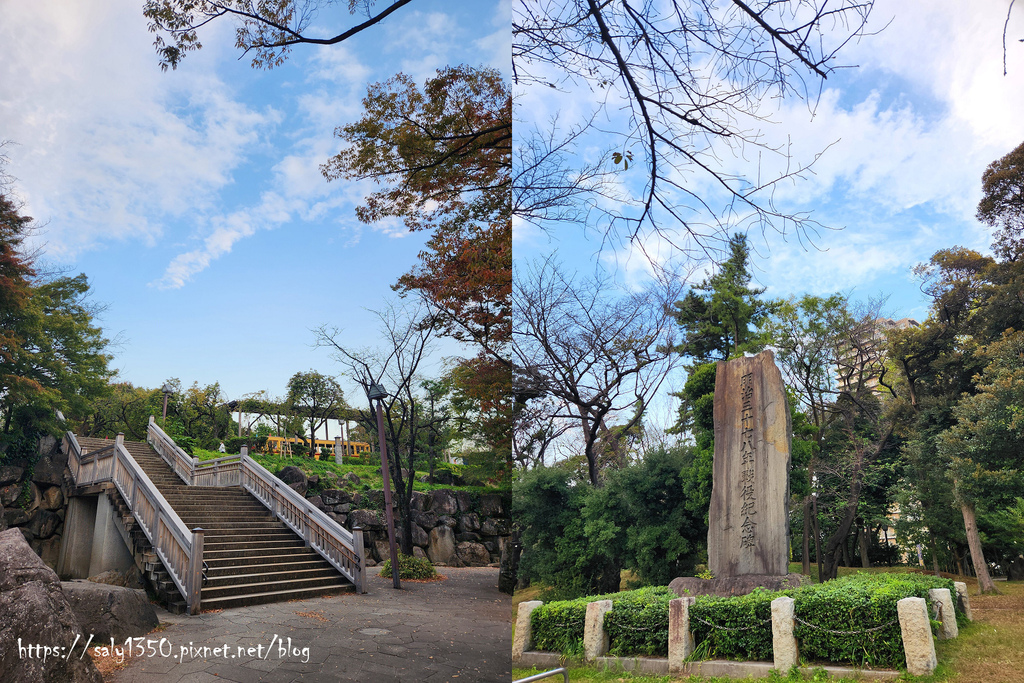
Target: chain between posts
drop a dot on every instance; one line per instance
(729, 628)
(845, 633)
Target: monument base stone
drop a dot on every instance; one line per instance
(684, 586)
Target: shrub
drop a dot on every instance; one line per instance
(558, 626)
(638, 624)
(859, 603)
(742, 625)
(410, 568)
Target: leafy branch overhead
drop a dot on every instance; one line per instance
(696, 78)
(267, 29)
(443, 155)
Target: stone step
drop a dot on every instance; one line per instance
(262, 568)
(263, 587)
(210, 555)
(269, 544)
(275, 575)
(235, 560)
(274, 596)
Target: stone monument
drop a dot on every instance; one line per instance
(748, 523)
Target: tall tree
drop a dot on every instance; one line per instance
(718, 317)
(315, 397)
(1002, 203)
(599, 352)
(396, 366)
(984, 445)
(444, 154)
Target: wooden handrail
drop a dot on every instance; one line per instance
(336, 544)
(176, 547)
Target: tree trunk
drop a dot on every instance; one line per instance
(807, 537)
(817, 540)
(846, 550)
(865, 561)
(935, 557)
(985, 583)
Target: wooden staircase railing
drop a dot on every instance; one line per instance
(180, 550)
(342, 548)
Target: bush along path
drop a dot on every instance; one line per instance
(880, 620)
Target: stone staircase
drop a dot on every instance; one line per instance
(250, 557)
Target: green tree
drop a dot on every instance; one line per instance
(52, 355)
(1002, 203)
(718, 316)
(315, 397)
(983, 447)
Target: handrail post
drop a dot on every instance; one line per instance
(118, 445)
(360, 551)
(195, 571)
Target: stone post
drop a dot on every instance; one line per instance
(917, 636)
(784, 647)
(338, 453)
(962, 601)
(680, 637)
(523, 638)
(942, 609)
(595, 640)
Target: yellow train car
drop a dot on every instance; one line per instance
(356, 449)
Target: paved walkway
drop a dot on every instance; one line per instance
(457, 631)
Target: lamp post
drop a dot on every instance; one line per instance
(166, 388)
(376, 392)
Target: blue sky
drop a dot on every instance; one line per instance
(193, 199)
(905, 138)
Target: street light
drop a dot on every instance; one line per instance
(166, 388)
(376, 393)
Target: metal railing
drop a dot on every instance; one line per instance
(336, 544)
(180, 550)
(547, 674)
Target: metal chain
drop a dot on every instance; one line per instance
(727, 628)
(845, 633)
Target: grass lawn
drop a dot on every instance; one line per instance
(367, 471)
(989, 650)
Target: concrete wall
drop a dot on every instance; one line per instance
(76, 548)
(108, 548)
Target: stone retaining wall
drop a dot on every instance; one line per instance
(450, 528)
(34, 499)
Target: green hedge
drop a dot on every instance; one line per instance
(558, 626)
(860, 602)
(638, 621)
(744, 625)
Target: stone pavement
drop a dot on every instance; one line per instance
(455, 631)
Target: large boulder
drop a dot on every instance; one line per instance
(44, 524)
(110, 611)
(366, 519)
(49, 469)
(427, 520)
(473, 554)
(465, 501)
(335, 497)
(34, 610)
(9, 474)
(491, 505)
(53, 498)
(295, 478)
(493, 527)
(441, 549)
(443, 502)
(469, 522)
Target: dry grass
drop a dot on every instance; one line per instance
(990, 650)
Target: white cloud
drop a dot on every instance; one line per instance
(103, 135)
